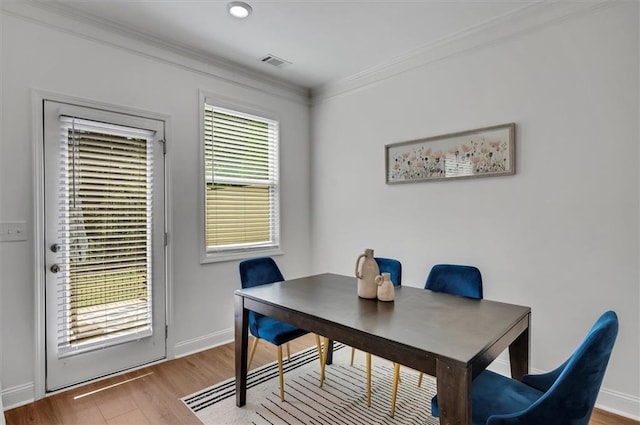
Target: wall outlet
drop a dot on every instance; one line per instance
(13, 231)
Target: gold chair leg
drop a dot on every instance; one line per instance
(420, 380)
(394, 393)
(288, 353)
(323, 363)
(253, 351)
(280, 372)
(319, 346)
(319, 349)
(369, 379)
(353, 353)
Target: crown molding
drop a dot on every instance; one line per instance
(60, 17)
(516, 23)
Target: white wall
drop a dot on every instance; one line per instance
(560, 236)
(2, 419)
(36, 56)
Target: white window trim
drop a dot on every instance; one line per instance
(221, 256)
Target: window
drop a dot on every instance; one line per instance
(104, 233)
(241, 183)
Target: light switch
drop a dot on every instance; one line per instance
(13, 231)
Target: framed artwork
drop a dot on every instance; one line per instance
(483, 152)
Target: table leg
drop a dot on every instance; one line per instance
(454, 394)
(329, 356)
(519, 355)
(241, 316)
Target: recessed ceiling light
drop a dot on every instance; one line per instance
(239, 9)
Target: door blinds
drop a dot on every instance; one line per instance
(104, 249)
(241, 172)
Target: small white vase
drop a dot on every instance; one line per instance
(386, 291)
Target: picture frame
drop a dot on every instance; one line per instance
(483, 152)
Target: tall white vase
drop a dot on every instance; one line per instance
(366, 272)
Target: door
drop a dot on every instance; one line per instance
(104, 242)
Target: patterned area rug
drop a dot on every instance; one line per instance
(341, 400)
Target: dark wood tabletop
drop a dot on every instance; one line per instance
(450, 337)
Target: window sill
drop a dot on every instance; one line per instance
(239, 255)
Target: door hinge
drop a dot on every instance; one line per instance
(164, 146)
(166, 239)
(166, 331)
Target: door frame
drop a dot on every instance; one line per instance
(37, 120)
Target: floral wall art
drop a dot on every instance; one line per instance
(483, 152)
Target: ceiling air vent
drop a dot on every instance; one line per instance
(274, 60)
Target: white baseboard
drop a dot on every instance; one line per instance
(609, 400)
(191, 346)
(619, 403)
(17, 396)
(24, 394)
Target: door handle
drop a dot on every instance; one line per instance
(55, 268)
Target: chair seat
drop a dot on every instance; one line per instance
(494, 394)
(275, 331)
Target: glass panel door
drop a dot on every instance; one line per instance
(105, 283)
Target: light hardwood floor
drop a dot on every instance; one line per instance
(150, 396)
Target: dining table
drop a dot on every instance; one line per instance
(452, 338)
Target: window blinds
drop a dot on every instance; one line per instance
(241, 172)
(104, 248)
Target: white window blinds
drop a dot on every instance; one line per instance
(241, 174)
(104, 250)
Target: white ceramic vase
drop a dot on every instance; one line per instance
(366, 272)
(386, 291)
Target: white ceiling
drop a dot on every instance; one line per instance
(325, 41)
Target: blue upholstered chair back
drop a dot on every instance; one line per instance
(455, 279)
(391, 266)
(255, 272)
(259, 271)
(570, 390)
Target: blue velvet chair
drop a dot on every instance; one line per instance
(564, 396)
(391, 266)
(394, 268)
(455, 279)
(452, 279)
(261, 271)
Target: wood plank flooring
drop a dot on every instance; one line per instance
(150, 396)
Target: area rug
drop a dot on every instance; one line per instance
(341, 400)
